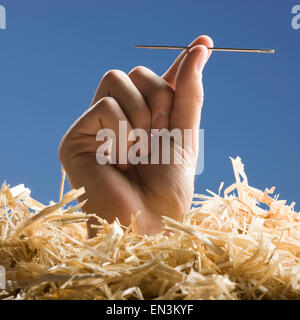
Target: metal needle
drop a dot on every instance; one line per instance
(212, 49)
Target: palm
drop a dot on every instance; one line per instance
(154, 190)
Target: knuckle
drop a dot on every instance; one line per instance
(193, 96)
(105, 105)
(113, 75)
(137, 71)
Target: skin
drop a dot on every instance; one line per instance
(148, 101)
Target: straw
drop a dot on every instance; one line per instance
(226, 247)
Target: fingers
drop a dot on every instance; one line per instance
(83, 137)
(118, 85)
(170, 75)
(113, 118)
(157, 94)
(188, 96)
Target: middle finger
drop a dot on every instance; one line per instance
(117, 84)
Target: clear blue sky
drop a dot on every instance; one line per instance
(54, 53)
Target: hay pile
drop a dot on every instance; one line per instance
(227, 247)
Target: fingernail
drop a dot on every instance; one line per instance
(160, 120)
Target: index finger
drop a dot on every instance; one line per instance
(170, 74)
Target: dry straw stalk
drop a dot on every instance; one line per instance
(226, 247)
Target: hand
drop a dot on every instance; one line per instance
(144, 100)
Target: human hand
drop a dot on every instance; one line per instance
(147, 101)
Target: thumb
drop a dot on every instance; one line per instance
(170, 75)
(188, 95)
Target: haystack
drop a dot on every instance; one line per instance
(227, 247)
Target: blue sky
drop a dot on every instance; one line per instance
(54, 53)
